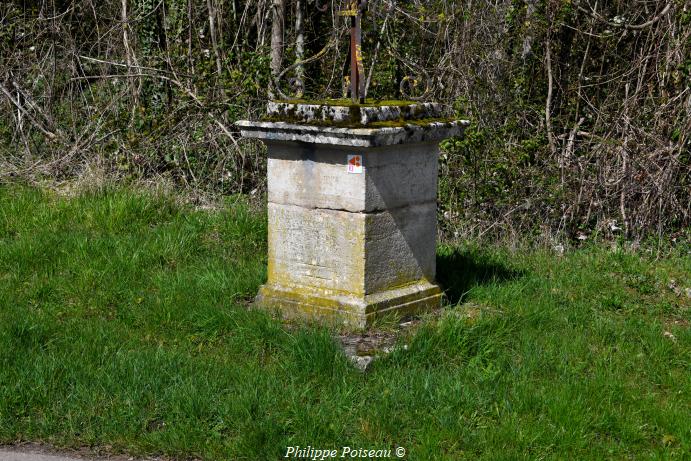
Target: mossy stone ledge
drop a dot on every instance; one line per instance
(339, 122)
(345, 114)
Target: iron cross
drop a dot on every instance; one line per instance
(354, 9)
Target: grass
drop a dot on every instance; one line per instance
(123, 327)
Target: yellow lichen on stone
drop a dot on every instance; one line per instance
(327, 307)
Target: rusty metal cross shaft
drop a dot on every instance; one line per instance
(354, 10)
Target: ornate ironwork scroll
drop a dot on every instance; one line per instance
(296, 83)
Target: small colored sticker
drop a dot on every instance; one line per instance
(355, 164)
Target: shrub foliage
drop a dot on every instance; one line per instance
(579, 109)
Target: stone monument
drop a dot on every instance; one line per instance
(352, 192)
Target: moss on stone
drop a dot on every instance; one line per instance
(354, 122)
(348, 103)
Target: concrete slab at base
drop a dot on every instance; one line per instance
(353, 311)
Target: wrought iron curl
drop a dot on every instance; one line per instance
(410, 82)
(296, 82)
(321, 8)
(358, 5)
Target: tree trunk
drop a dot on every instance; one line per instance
(277, 29)
(132, 65)
(528, 39)
(190, 29)
(214, 36)
(299, 46)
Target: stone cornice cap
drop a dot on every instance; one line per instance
(340, 122)
(355, 137)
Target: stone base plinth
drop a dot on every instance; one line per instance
(352, 209)
(354, 311)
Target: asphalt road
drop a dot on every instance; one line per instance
(6, 455)
(36, 452)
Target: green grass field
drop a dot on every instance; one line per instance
(124, 327)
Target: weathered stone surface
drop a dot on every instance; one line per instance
(362, 362)
(293, 301)
(353, 137)
(349, 113)
(351, 266)
(399, 176)
(363, 348)
(352, 253)
(319, 248)
(400, 246)
(315, 176)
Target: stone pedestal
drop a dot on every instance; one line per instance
(352, 209)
